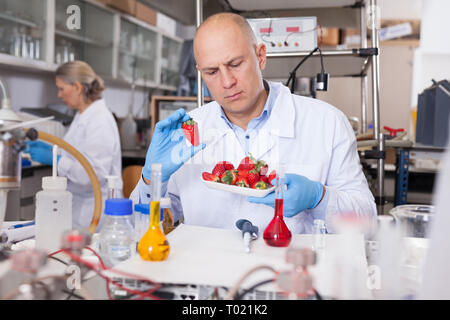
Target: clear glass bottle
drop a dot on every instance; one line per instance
(154, 246)
(277, 233)
(319, 231)
(117, 238)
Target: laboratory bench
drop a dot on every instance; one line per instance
(205, 270)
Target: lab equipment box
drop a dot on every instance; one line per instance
(433, 112)
(126, 6)
(145, 14)
(286, 34)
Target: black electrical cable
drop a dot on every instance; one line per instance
(292, 75)
(268, 34)
(317, 295)
(253, 287)
(233, 10)
(72, 294)
(59, 260)
(294, 71)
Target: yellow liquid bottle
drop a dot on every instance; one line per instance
(153, 245)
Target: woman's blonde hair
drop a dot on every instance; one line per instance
(80, 71)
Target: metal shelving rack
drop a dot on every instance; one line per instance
(370, 56)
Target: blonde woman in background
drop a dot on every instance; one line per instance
(93, 132)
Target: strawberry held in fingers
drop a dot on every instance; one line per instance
(190, 130)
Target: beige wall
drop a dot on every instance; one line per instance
(396, 71)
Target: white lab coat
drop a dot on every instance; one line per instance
(309, 136)
(95, 134)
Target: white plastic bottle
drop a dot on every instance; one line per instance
(53, 211)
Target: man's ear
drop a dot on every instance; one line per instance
(261, 55)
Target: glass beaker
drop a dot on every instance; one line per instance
(277, 234)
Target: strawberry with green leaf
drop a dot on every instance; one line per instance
(262, 167)
(252, 176)
(260, 185)
(190, 130)
(242, 182)
(229, 177)
(221, 167)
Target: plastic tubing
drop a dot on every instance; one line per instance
(89, 170)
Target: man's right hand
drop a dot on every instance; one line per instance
(168, 146)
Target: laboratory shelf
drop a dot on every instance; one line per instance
(25, 64)
(17, 20)
(135, 55)
(338, 63)
(83, 39)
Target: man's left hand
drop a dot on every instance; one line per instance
(301, 194)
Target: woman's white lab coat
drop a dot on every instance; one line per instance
(95, 134)
(309, 136)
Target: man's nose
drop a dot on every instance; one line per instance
(228, 79)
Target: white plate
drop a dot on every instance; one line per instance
(239, 190)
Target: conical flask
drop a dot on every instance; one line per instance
(153, 245)
(277, 234)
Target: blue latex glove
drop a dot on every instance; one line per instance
(301, 194)
(40, 152)
(168, 146)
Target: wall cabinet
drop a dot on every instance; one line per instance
(39, 35)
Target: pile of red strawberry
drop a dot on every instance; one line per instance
(250, 173)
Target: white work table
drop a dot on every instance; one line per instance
(216, 257)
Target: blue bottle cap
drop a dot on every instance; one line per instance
(142, 208)
(118, 207)
(145, 209)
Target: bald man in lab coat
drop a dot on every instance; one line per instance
(249, 115)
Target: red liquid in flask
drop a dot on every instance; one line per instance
(277, 234)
